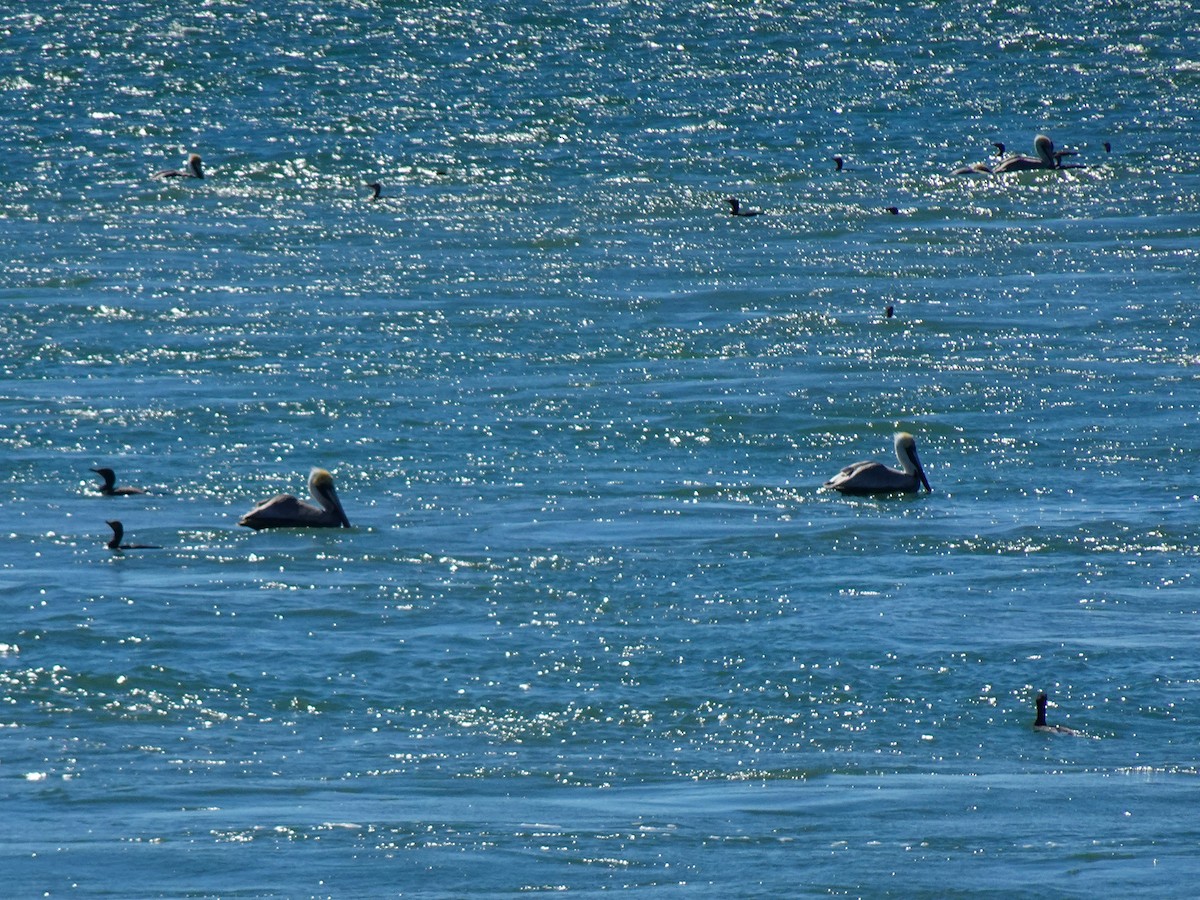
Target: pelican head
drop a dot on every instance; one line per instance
(1044, 148)
(906, 453)
(194, 166)
(872, 477)
(286, 511)
(320, 486)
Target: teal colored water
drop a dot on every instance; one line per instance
(596, 625)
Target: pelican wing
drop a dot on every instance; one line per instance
(870, 477)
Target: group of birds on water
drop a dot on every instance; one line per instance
(1045, 158)
(287, 511)
(869, 477)
(281, 511)
(865, 478)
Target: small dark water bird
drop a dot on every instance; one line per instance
(736, 209)
(1039, 723)
(1107, 147)
(894, 210)
(109, 488)
(889, 312)
(286, 511)
(873, 477)
(839, 162)
(118, 531)
(376, 190)
(193, 169)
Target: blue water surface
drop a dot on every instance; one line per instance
(596, 625)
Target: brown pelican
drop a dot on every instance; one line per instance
(285, 511)
(109, 489)
(376, 190)
(1045, 159)
(118, 531)
(872, 477)
(735, 208)
(1040, 723)
(193, 170)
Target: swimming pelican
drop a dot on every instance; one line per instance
(193, 170)
(376, 190)
(1040, 723)
(1045, 159)
(872, 477)
(285, 511)
(118, 531)
(110, 479)
(735, 208)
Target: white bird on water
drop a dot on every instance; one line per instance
(286, 511)
(873, 477)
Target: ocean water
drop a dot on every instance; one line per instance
(596, 626)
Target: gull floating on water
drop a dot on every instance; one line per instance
(193, 169)
(286, 511)
(872, 477)
(118, 531)
(109, 488)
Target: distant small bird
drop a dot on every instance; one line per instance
(119, 532)
(894, 210)
(376, 190)
(194, 169)
(889, 312)
(1107, 147)
(1040, 723)
(109, 488)
(735, 208)
(840, 162)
